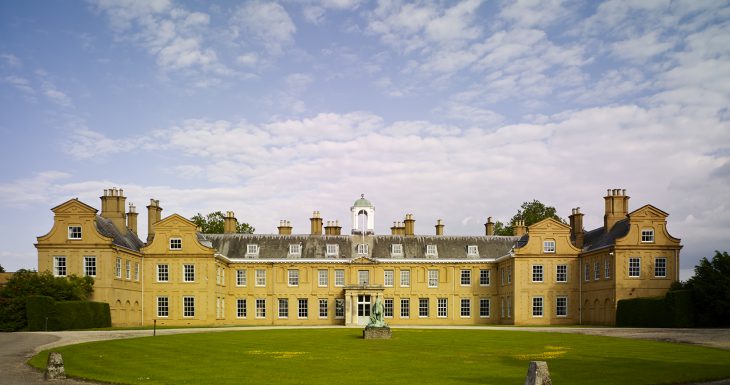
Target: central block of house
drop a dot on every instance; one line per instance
(549, 273)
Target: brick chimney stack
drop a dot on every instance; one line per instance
(617, 207)
(489, 226)
(439, 228)
(132, 218)
(154, 214)
(229, 223)
(576, 227)
(519, 228)
(410, 225)
(112, 207)
(284, 227)
(316, 223)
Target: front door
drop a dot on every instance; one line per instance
(363, 309)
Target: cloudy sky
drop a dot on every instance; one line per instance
(445, 110)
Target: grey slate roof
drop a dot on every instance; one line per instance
(128, 239)
(447, 247)
(277, 246)
(598, 238)
(273, 246)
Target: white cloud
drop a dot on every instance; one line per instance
(10, 60)
(56, 96)
(264, 23)
(86, 143)
(535, 13)
(20, 83)
(31, 191)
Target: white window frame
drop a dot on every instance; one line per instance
(136, 271)
(596, 270)
(241, 278)
(293, 277)
(163, 272)
(647, 235)
(90, 266)
(60, 267)
(176, 243)
(509, 275)
(283, 310)
(388, 308)
(295, 249)
(538, 306)
(388, 278)
(339, 308)
(472, 251)
(241, 308)
(432, 251)
(363, 274)
(302, 311)
(561, 276)
(465, 311)
(362, 249)
(484, 311)
(485, 277)
(188, 272)
(587, 271)
(558, 306)
(607, 268)
(332, 250)
(339, 277)
(118, 268)
(188, 306)
(163, 306)
(658, 268)
(405, 308)
(323, 308)
(405, 278)
(465, 277)
(252, 250)
(538, 273)
(442, 307)
(260, 278)
(396, 250)
(322, 277)
(433, 278)
(548, 246)
(128, 269)
(260, 307)
(634, 271)
(74, 232)
(423, 310)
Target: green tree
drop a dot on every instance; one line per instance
(530, 212)
(25, 283)
(2, 269)
(711, 290)
(213, 224)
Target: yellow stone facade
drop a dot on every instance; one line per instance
(552, 274)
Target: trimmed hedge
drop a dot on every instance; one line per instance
(66, 315)
(673, 310)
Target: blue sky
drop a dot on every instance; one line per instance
(447, 110)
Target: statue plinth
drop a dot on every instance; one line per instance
(376, 333)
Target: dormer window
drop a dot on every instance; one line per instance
(175, 243)
(252, 250)
(647, 236)
(472, 251)
(333, 250)
(74, 232)
(431, 251)
(295, 249)
(396, 250)
(548, 246)
(362, 249)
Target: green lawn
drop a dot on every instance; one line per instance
(413, 356)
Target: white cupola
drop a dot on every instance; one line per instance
(366, 223)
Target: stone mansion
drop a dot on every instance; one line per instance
(549, 273)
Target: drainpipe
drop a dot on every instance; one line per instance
(580, 292)
(141, 321)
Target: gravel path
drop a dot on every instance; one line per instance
(17, 348)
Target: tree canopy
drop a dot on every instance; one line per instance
(530, 212)
(25, 283)
(711, 290)
(2, 269)
(213, 224)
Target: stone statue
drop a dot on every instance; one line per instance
(376, 314)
